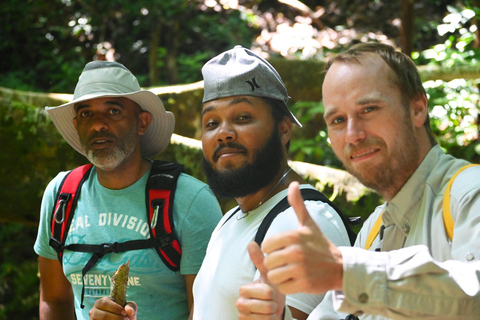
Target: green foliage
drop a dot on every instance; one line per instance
(18, 79)
(454, 104)
(188, 64)
(201, 36)
(454, 116)
(69, 70)
(35, 154)
(459, 47)
(312, 146)
(35, 34)
(48, 50)
(19, 283)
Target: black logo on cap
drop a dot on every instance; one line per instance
(253, 84)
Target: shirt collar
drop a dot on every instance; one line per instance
(402, 209)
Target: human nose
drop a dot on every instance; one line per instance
(226, 133)
(355, 131)
(99, 123)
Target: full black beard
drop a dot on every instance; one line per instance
(252, 177)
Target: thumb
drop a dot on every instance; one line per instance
(256, 255)
(131, 309)
(295, 200)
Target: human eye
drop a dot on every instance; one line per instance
(244, 117)
(210, 124)
(369, 109)
(114, 111)
(337, 120)
(84, 113)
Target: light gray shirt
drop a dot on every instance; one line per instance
(419, 273)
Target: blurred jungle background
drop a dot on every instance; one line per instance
(46, 43)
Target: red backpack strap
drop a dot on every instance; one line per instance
(65, 204)
(160, 192)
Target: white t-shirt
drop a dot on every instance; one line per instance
(227, 265)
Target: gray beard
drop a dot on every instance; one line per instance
(112, 160)
(109, 161)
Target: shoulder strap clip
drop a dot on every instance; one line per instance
(63, 200)
(157, 205)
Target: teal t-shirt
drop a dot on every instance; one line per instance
(105, 215)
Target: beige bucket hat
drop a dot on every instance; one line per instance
(101, 79)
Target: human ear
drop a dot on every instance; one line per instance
(285, 130)
(419, 110)
(144, 119)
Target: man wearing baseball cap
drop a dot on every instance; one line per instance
(246, 129)
(119, 128)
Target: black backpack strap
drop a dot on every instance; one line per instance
(307, 194)
(64, 208)
(160, 193)
(99, 250)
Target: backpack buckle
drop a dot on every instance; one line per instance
(165, 240)
(108, 248)
(61, 209)
(55, 244)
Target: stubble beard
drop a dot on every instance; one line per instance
(388, 176)
(109, 160)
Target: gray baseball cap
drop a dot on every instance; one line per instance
(240, 72)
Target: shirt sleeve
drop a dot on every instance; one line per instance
(41, 246)
(465, 211)
(200, 215)
(326, 311)
(408, 284)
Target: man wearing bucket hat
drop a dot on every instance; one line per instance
(119, 128)
(246, 129)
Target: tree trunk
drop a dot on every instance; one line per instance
(476, 21)
(172, 49)
(407, 27)
(153, 55)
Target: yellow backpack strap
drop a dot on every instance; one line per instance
(374, 232)
(447, 215)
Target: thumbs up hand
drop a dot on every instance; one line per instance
(302, 260)
(260, 299)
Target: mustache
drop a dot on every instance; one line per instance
(370, 142)
(231, 145)
(102, 134)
